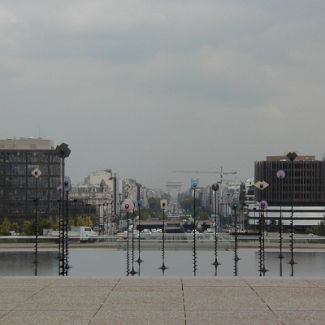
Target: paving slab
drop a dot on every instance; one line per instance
(213, 282)
(255, 317)
(210, 300)
(318, 282)
(222, 298)
(144, 307)
(76, 291)
(85, 282)
(157, 282)
(292, 298)
(155, 297)
(284, 282)
(47, 317)
(302, 317)
(22, 282)
(136, 317)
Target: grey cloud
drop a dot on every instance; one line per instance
(147, 87)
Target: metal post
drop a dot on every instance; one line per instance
(263, 240)
(63, 152)
(133, 272)
(66, 235)
(139, 260)
(280, 175)
(292, 156)
(260, 242)
(163, 266)
(194, 236)
(236, 258)
(215, 188)
(36, 173)
(262, 185)
(127, 246)
(59, 225)
(62, 224)
(36, 229)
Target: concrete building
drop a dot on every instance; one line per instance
(18, 158)
(303, 186)
(304, 182)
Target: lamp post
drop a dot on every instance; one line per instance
(67, 189)
(194, 184)
(292, 156)
(163, 205)
(261, 185)
(139, 204)
(263, 207)
(36, 173)
(215, 188)
(132, 272)
(127, 207)
(280, 175)
(63, 152)
(59, 189)
(235, 206)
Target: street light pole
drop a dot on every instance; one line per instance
(194, 184)
(139, 203)
(292, 156)
(36, 174)
(215, 188)
(262, 185)
(163, 205)
(280, 175)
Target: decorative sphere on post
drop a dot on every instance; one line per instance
(280, 174)
(215, 187)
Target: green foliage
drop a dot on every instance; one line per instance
(15, 227)
(154, 204)
(82, 222)
(5, 227)
(28, 228)
(319, 229)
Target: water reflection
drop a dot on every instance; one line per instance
(103, 262)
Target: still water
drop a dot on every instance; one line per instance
(102, 262)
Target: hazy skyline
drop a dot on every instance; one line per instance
(147, 87)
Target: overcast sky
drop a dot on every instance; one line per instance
(149, 86)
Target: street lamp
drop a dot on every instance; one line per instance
(139, 204)
(292, 156)
(262, 185)
(163, 205)
(280, 175)
(36, 173)
(215, 188)
(127, 207)
(194, 184)
(235, 206)
(63, 152)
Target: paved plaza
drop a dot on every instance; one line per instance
(52, 300)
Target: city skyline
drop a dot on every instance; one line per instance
(147, 88)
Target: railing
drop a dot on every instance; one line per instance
(170, 238)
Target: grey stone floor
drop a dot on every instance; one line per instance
(133, 301)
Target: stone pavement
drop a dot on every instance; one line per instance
(133, 301)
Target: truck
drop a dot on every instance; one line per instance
(84, 234)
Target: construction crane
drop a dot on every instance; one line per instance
(221, 173)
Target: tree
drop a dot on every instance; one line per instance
(319, 229)
(28, 228)
(5, 227)
(14, 227)
(154, 204)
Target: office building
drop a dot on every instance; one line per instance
(19, 188)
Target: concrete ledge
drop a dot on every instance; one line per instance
(210, 300)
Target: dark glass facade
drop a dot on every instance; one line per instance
(18, 186)
(304, 183)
